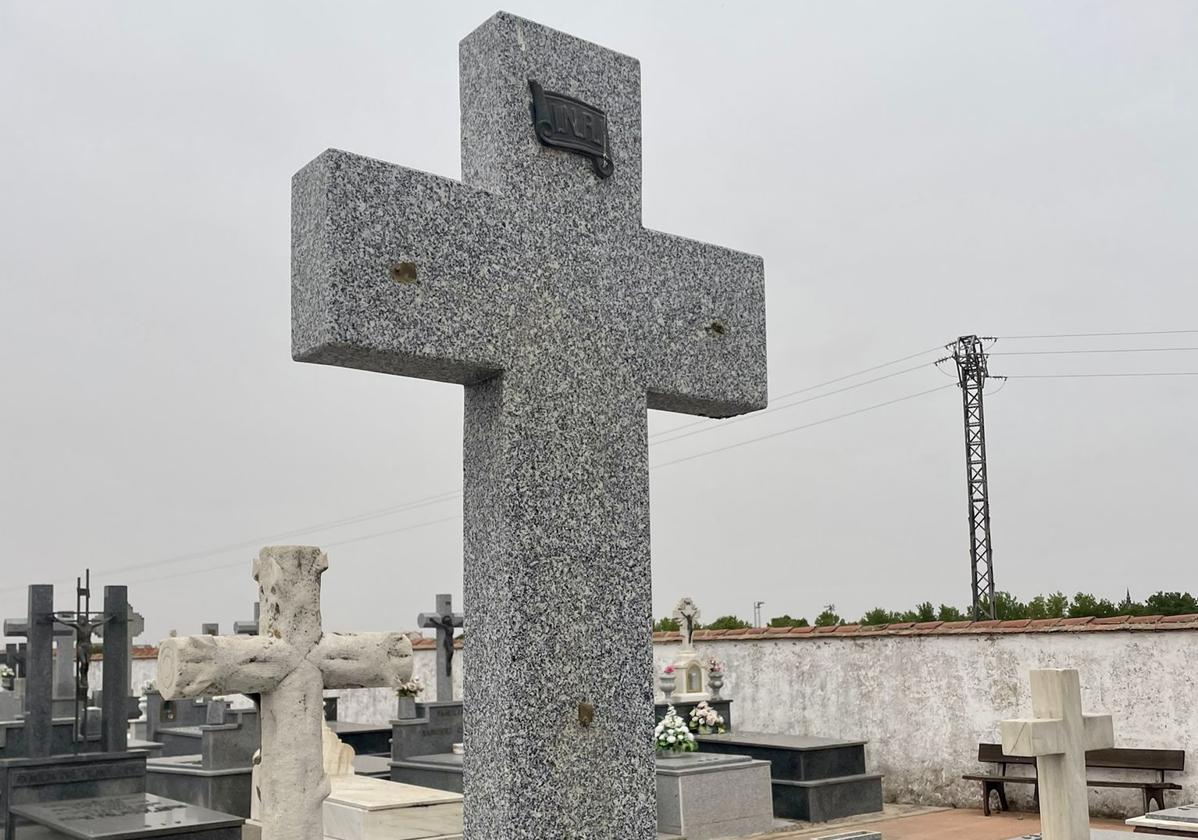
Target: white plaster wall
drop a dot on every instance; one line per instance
(924, 702)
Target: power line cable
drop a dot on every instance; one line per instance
(787, 431)
(806, 389)
(1099, 334)
(1100, 375)
(723, 424)
(1092, 350)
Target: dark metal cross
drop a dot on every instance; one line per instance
(533, 283)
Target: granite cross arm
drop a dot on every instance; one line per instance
(1058, 736)
(533, 282)
(289, 665)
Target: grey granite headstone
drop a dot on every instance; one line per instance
(39, 670)
(533, 283)
(118, 642)
(247, 628)
(444, 620)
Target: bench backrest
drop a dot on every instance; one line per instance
(1114, 759)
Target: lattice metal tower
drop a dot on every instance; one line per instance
(969, 352)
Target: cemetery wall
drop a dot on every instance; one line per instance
(924, 698)
(923, 695)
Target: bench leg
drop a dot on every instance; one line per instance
(985, 799)
(1002, 797)
(1154, 795)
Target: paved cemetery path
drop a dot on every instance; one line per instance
(959, 824)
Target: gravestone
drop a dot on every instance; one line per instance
(1181, 821)
(289, 665)
(445, 620)
(533, 283)
(1058, 736)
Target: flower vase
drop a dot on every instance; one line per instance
(668, 753)
(407, 707)
(7, 682)
(715, 681)
(667, 682)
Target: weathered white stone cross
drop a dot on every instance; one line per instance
(1058, 736)
(444, 619)
(289, 665)
(533, 283)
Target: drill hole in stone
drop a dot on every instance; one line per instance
(404, 272)
(717, 328)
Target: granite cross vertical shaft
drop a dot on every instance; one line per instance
(1058, 736)
(445, 620)
(289, 665)
(533, 283)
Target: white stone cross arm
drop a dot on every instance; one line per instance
(1058, 737)
(289, 665)
(1034, 738)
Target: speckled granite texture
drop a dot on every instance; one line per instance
(533, 283)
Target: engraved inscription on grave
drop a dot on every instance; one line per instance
(567, 123)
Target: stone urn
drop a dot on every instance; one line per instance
(715, 681)
(407, 707)
(667, 683)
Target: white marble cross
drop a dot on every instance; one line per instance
(687, 616)
(289, 665)
(1058, 736)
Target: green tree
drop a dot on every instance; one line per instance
(1086, 605)
(787, 621)
(878, 615)
(828, 618)
(1170, 603)
(1056, 605)
(922, 612)
(665, 625)
(947, 613)
(727, 622)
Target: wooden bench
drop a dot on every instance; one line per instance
(1156, 761)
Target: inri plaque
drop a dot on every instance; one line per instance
(567, 123)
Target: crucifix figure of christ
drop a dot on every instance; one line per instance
(687, 616)
(1058, 736)
(289, 665)
(533, 283)
(445, 620)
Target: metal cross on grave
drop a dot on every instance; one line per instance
(533, 283)
(289, 665)
(1058, 736)
(445, 620)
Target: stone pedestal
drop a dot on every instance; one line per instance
(703, 796)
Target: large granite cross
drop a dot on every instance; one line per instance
(445, 620)
(289, 665)
(1058, 736)
(533, 283)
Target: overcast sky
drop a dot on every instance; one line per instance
(910, 171)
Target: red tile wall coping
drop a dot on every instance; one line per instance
(1126, 623)
(1134, 623)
